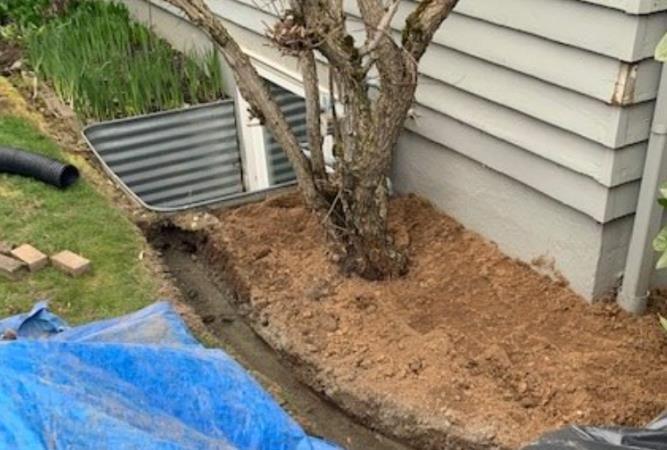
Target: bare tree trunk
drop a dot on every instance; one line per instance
(353, 202)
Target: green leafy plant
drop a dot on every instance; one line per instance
(26, 14)
(4, 13)
(661, 50)
(107, 66)
(660, 242)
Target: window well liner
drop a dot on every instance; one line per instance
(173, 160)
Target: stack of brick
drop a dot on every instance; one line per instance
(17, 262)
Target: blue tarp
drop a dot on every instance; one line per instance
(135, 382)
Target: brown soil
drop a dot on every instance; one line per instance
(471, 349)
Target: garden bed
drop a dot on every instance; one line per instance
(471, 349)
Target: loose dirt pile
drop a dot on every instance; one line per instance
(471, 349)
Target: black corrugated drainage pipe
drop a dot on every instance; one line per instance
(45, 169)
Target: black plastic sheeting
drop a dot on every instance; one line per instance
(653, 437)
(27, 164)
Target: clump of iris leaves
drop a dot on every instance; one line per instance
(107, 66)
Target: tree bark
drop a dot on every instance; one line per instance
(313, 122)
(353, 202)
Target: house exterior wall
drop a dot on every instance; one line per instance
(532, 119)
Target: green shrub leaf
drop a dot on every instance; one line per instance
(662, 262)
(661, 50)
(660, 242)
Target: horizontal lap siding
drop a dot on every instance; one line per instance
(584, 25)
(633, 6)
(544, 103)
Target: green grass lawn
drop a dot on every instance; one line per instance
(78, 219)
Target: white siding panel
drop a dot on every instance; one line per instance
(584, 25)
(550, 159)
(557, 106)
(525, 109)
(590, 118)
(579, 192)
(580, 70)
(554, 144)
(633, 6)
(646, 83)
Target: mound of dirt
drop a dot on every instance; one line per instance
(471, 349)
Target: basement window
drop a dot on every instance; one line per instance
(265, 163)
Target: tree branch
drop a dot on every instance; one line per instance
(386, 54)
(422, 23)
(254, 91)
(383, 28)
(312, 91)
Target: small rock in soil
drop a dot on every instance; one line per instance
(528, 402)
(416, 365)
(227, 318)
(208, 319)
(522, 387)
(389, 372)
(363, 363)
(262, 253)
(329, 323)
(316, 293)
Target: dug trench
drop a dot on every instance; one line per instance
(210, 295)
(470, 350)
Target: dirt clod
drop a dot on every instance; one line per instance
(208, 319)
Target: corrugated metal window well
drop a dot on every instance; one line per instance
(173, 160)
(191, 157)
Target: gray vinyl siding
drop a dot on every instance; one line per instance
(536, 111)
(633, 6)
(557, 94)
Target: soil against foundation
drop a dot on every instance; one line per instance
(471, 349)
